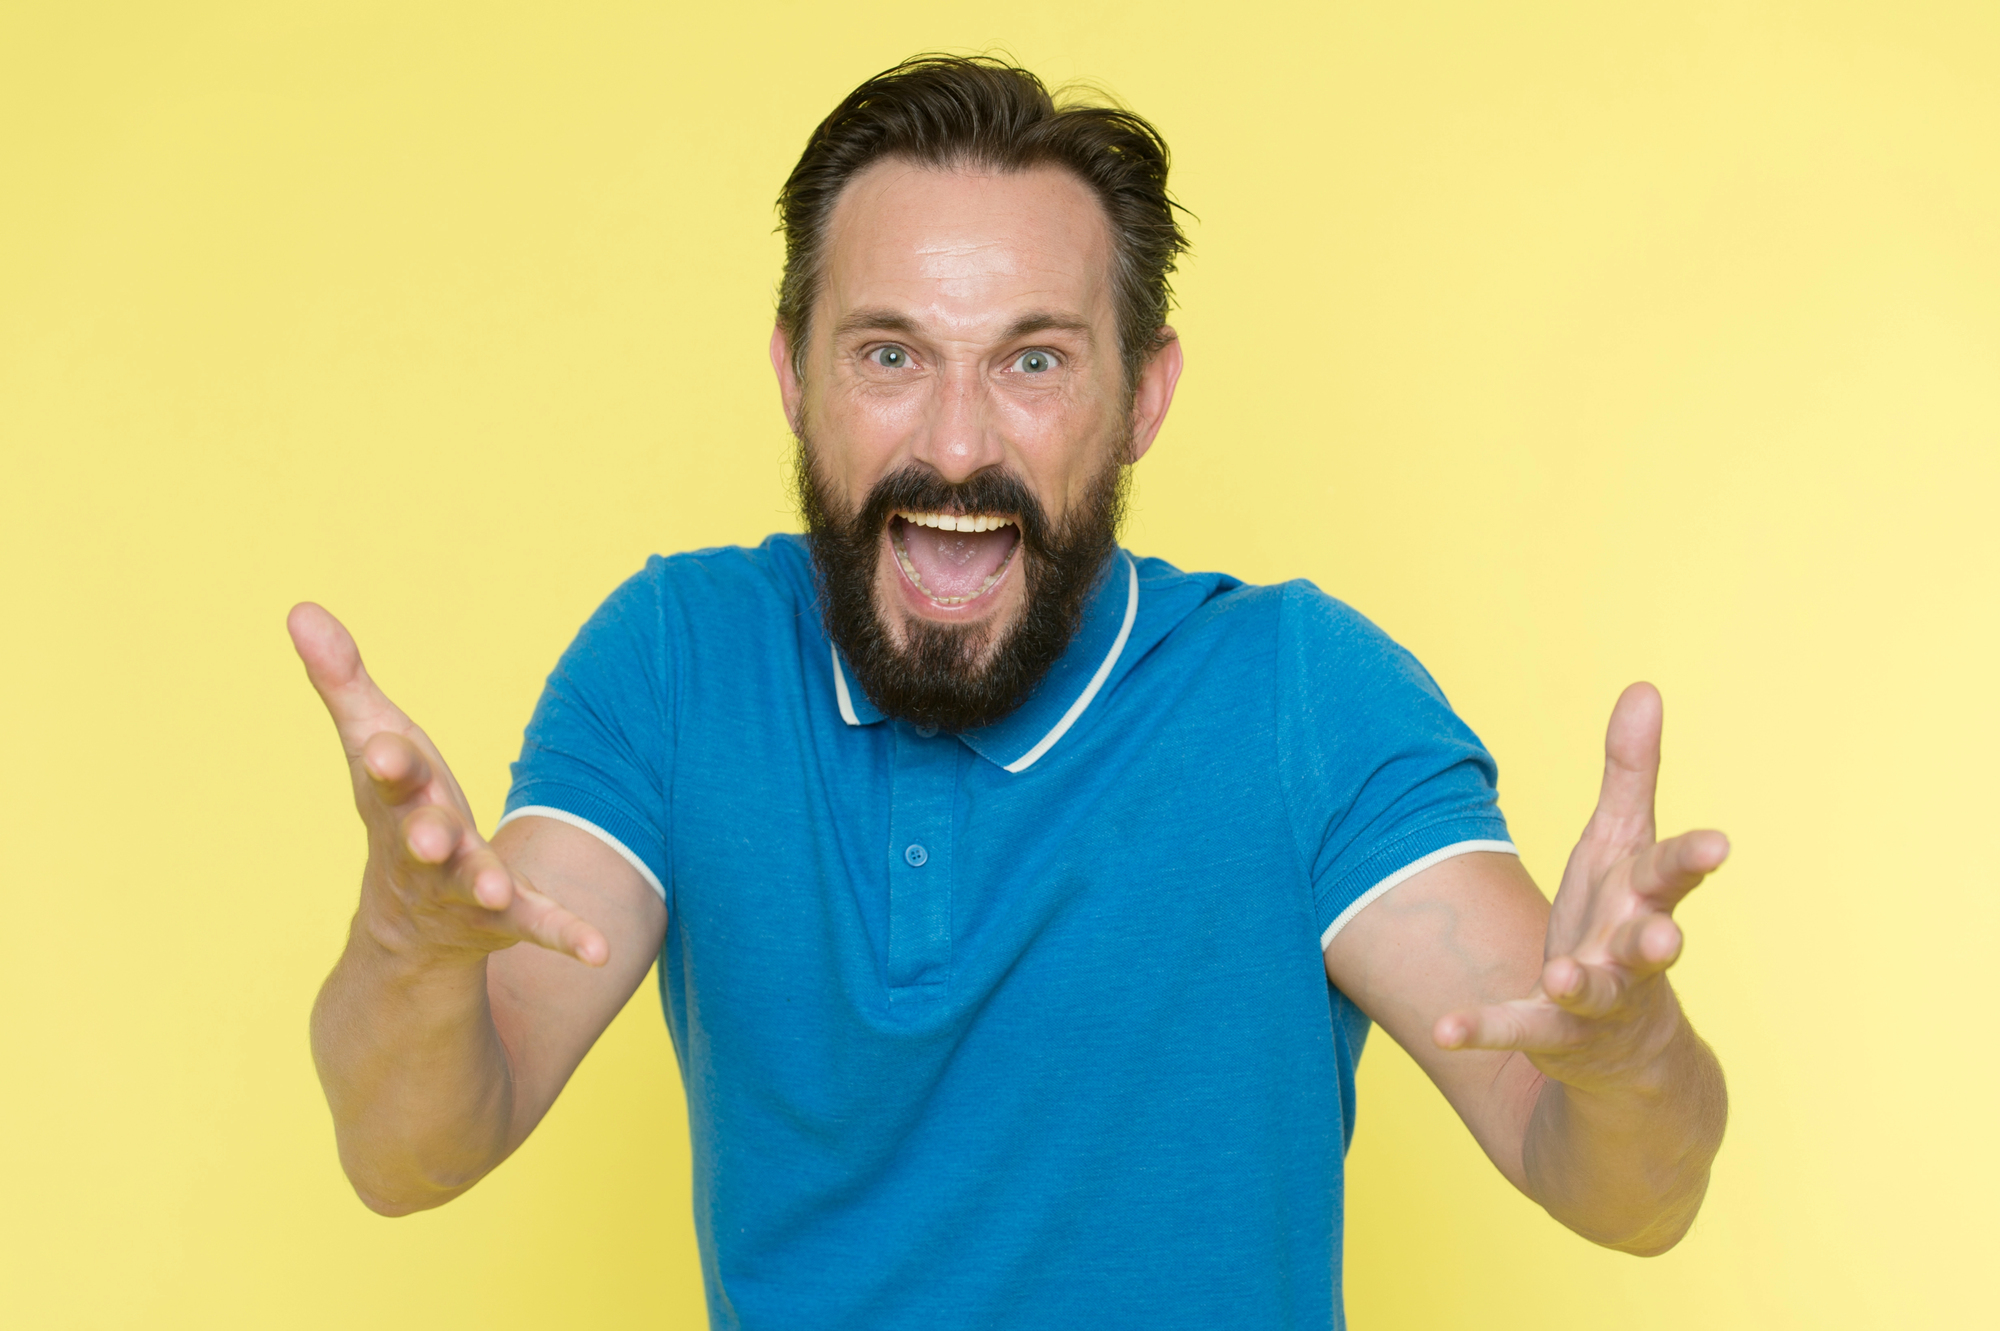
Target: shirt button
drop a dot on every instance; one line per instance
(916, 855)
(927, 731)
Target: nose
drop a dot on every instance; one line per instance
(960, 434)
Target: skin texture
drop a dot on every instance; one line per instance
(966, 322)
(957, 278)
(1554, 1031)
(439, 1043)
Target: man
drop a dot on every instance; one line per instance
(1021, 904)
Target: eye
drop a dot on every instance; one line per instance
(890, 357)
(1035, 362)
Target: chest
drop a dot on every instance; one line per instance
(907, 873)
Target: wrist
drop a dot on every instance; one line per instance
(1625, 1161)
(1673, 1070)
(1639, 1054)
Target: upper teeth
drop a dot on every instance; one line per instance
(955, 521)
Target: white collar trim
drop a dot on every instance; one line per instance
(840, 693)
(1076, 709)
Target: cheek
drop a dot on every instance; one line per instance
(1043, 429)
(1062, 442)
(870, 422)
(857, 438)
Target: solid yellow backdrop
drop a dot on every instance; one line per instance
(1574, 343)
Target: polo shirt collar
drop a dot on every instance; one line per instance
(1020, 739)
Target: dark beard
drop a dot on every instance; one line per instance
(937, 678)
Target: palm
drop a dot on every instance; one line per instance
(1602, 1005)
(435, 880)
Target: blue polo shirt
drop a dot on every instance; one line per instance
(1027, 1026)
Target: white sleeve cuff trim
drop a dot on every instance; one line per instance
(1408, 871)
(624, 851)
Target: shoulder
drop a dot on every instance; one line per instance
(776, 569)
(1309, 615)
(1214, 614)
(719, 588)
(726, 592)
(1317, 659)
(1322, 640)
(1182, 611)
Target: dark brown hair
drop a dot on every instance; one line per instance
(943, 110)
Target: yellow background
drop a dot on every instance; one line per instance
(1574, 343)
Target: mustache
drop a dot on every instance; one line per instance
(955, 676)
(993, 490)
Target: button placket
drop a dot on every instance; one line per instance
(920, 817)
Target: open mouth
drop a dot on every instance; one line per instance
(953, 558)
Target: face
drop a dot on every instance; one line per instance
(964, 423)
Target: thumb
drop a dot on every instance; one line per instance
(333, 665)
(1631, 764)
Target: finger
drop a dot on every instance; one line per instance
(1645, 944)
(1667, 871)
(1631, 764)
(1526, 1024)
(483, 876)
(432, 836)
(396, 767)
(538, 919)
(1583, 990)
(333, 665)
(461, 866)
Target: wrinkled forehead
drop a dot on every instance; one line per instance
(966, 250)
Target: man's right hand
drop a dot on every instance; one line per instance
(434, 889)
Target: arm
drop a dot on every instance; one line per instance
(1593, 1094)
(439, 1043)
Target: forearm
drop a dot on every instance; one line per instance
(414, 1071)
(1627, 1165)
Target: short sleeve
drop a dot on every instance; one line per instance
(1381, 778)
(598, 752)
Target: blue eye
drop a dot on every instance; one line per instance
(890, 358)
(1034, 362)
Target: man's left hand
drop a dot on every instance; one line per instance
(1603, 1017)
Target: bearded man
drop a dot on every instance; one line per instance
(1020, 904)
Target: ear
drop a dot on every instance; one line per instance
(790, 387)
(1154, 392)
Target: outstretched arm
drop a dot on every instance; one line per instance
(441, 1044)
(1592, 1093)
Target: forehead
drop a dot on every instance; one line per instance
(965, 248)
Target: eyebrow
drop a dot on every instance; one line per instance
(1045, 322)
(883, 320)
(875, 321)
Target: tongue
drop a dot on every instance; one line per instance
(955, 563)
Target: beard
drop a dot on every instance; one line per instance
(955, 676)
